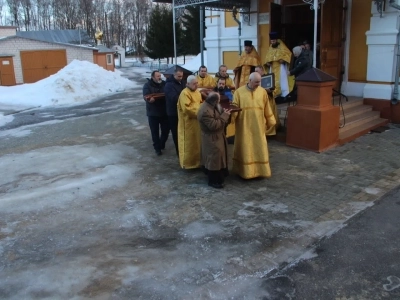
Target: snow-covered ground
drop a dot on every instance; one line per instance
(191, 63)
(77, 83)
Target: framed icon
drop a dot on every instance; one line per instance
(268, 81)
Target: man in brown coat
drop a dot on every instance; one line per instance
(213, 119)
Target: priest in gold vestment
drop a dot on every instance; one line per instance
(271, 130)
(189, 134)
(250, 152)
(277, 61)
(204, 80)
(246, 65)
(223, 73)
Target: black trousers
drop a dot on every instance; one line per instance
(157, 123)
(216, 176)
(173, 125)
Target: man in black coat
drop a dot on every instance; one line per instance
(302, 62)
(173, 89)
(301, 65)
(156, 111)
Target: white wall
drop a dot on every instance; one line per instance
(382, 50)
(13, 46)
(7, 31)
(121, 55)
(220, 38)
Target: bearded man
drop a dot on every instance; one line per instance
(224, 91)
(247, 63)
(223, 73)
(277, 61)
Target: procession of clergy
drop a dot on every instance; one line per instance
(200, 126)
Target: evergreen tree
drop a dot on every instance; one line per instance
(160, 35)
(153, 45)
(191, 30)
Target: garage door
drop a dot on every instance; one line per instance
(37, 65)
(7, 76)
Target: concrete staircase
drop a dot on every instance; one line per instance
(358, 119)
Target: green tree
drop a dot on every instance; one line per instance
(160, 35)
(190, 21)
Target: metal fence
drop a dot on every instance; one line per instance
(152, 65)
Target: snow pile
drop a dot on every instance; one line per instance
(76, 83)
(195, 63)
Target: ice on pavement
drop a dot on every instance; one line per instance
(5, 119)
(55, 175)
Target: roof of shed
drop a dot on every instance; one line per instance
(85, 47)
(68, 36)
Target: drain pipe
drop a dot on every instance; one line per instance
(234, 13)
(395, 99)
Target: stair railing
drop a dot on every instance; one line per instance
(336, 93)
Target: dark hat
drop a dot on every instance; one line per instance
(273, 35)
(248, 43)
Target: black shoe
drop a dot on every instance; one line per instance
(216, 185)
(158, 152)
(163, 146)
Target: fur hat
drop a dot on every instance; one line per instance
(248, 43)
(273, 35)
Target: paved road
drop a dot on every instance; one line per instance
(361, 261)
(87, 210)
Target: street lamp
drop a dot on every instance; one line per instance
(314, 4)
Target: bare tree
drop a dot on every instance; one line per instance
(44, 15)
(123, 22)
(65, 13)
(26, 7)
(87, 16)
(14, 6)
(1, 12)
(139, 12)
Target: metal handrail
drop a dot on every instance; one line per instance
(337, 93)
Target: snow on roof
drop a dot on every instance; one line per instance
(58, 43)
(76, 83)
(67, 36)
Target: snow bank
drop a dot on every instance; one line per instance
(76, 83)
(195, 63)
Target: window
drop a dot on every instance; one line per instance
(109, 59)
(229, 21)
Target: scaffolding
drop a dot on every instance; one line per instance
(218, 5)
(226, 5)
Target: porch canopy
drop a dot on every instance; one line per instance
(209, 4)
(226, 5)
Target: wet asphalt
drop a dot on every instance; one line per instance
(361, 261)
